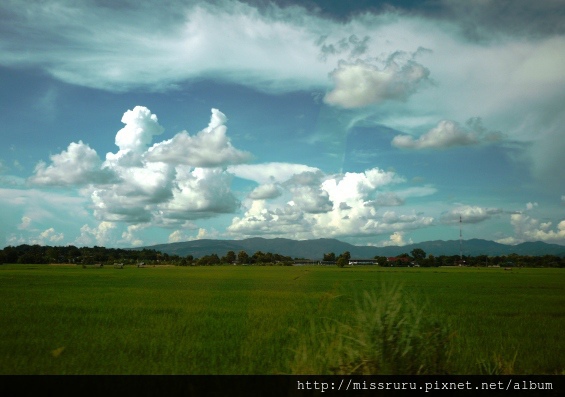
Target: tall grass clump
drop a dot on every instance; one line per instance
(388, 332)
(497, 365)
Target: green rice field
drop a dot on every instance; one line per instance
(63, 319)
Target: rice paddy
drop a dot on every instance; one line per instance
(60, 319)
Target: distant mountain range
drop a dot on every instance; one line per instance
(315, 249)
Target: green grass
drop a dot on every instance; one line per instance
(265, 320)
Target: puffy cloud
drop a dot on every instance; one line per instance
(352, 187)
(133, 139)
(177, 236)
(396, 239)
(50, 235)
(287, 221)
(78, 165)
(360, 83)
(46, 237)
(159, 183)
(328, 205)
(530, 206)
(15, 240)
(138, 184)
(447, 134)
(311, 200)
(527, 228)
(139, 189)
(205, 234)
(209, 148)
(129, 237)
(265, 192)
(306, 192)
(199, 193)
(141, 126)
(100, 235)
(469, 214)
(26, 221)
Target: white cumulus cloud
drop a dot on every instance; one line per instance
(396, 239)
(50, 235)
(199, 193)
(328, 205)
(209, 148)
(26, 221)
(141, 126)
(361, 83)
(527, 228)
(100, 235)
(354, 187)
(177, 236)
(446, 134)
(78, 165)
(129, 235)
(265, 192)
(140, 184)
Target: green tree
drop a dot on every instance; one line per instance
(269, 258)
(258, 257)
(346, 255)
(329, 257)
(343, 259)
(342, 262)
(230, 257)
(242, 257)
(381, 260)
(209, 260)
(418, 254)
(10, 254)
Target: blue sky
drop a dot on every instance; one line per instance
(377, 123)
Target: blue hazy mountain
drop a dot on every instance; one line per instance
(315, 249)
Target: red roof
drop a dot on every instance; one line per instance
(396, 258)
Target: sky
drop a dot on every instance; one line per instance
(133, 123)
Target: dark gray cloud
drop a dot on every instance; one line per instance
(483, 20)
(478, 20)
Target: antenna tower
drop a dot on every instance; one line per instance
(460, 240)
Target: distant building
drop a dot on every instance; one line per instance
(363, 261)
(398, 261)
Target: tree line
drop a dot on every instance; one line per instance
(38, 254)
(418, 257)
